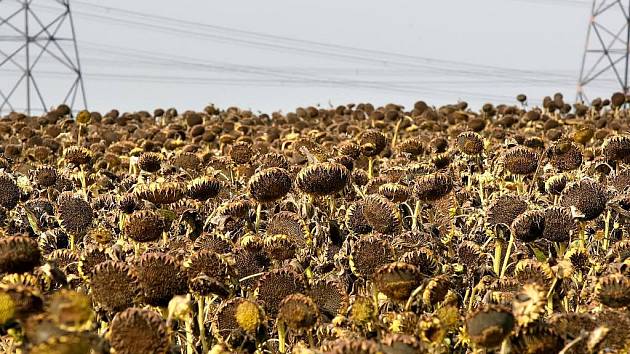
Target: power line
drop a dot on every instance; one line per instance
(328, 50)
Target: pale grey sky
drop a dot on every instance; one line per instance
(439, 51)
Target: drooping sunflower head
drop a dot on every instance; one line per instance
(75, 213)
(587, 196)
(521, 160)
(270, 185)
(323, 178)
(397, 280)
(489, 325)
(470, 143)
(298, 312)
(139, 331)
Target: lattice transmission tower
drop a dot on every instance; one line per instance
(39, 57)
(606, 51)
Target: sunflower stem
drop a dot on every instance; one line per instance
(505, 347)
(311, 340)
(190, 347)
(201, 323)
(258, 210)
(370, 167)
(281, 337)
(606, 241)
(506, 260)
(395, 138)
(416, 214)
(473, 293)
(496, 261)
(582, 235)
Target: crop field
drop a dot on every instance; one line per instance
(354, 229)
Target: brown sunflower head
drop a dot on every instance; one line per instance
(617, 148)
(45, 176)
(536, 338)
(89, 258)
(355, 218)
(273, 159)
(372, 142)
(150, 161)
(248, 261)
(112, 286)
(617, 99)
(241, 152)
(129, 203)
(397, 280)
(270, 185)
(433, 186)
(469, 254)
(161, 192)
(351, 149)
(277, 284)
(565, 155)
(207, 262)
(213, 242)
(370, 253)
(613, 290)
(489, 325)
(533, 271)
(521, 160)
(412, 146)
(529, 226)
(204, 285)
(330, 296)
(160, 278)
(436, 290)
(298, 312)
(9, 192)
(144, 226)
(77, 155)
(18, 254)
(287, 223)
(280, 247)
(556, 184)
(422, 258)
(187, 161)
(381, 215)
(470, 143)
(203, 188)
(74, 212)
(559, 224)
(504, 209)
(323, 178)
(235, 319)
(587, 196)
(395, 192)
(139, 331)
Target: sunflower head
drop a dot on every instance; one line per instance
(489, 325)
(298, 312)
(613, 290)
(397, 280)
(270, 185)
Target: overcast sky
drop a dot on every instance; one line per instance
(307, 52)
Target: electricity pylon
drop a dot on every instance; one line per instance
(606, 50)
(38, 56)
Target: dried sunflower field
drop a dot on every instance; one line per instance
(355, 229)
